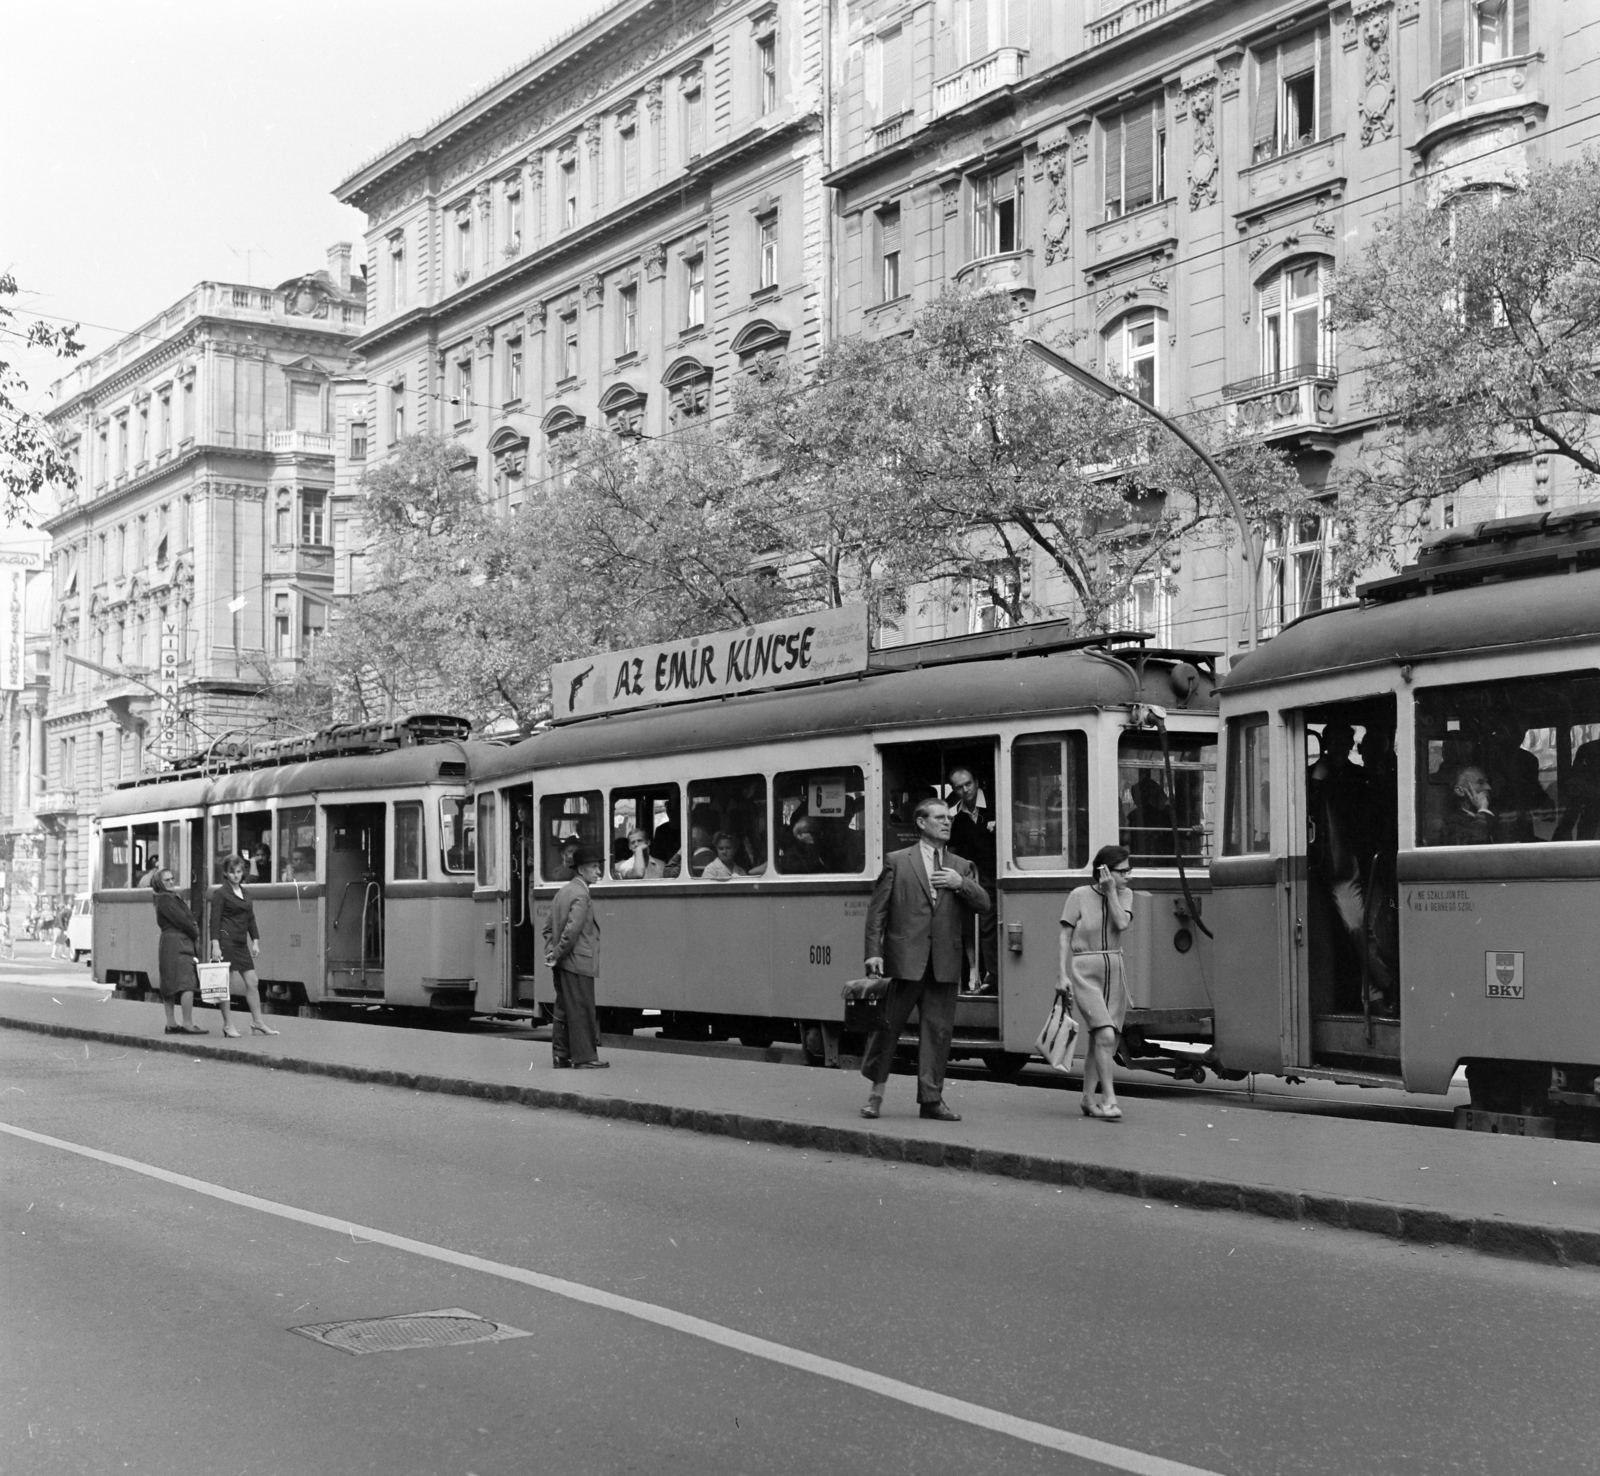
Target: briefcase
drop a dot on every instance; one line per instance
(864, 1001)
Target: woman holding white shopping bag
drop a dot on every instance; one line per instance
(1092, 970)
(235, 940)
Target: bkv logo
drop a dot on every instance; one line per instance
(1503, 975)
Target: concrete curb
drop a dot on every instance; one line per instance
(1548, 1245)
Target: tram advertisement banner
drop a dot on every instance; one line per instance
(781, 653)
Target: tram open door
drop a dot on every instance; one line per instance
(354, 943)
(521, 926)
(1346, 941)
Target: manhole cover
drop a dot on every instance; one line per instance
(442, 1329)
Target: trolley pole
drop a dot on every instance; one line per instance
(1106, 390)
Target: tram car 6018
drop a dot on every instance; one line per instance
(742, 835)
(1410, 862)
(359, 844)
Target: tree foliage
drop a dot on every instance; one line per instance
(1480, 322)
(29, 455)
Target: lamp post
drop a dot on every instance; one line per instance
(1106, 390)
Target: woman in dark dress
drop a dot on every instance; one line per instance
(235, 939)
(179, 934)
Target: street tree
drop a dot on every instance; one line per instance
(29, 455)
(1479, 318)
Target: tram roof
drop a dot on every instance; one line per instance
(977, 691)
(424, 764)
(1472, 621)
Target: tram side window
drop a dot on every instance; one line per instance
(1506, 763)
(1247, 827)
(114, 858)
(255, 844)
(146, 853)
(458, 836)
(728, 827)
(819, 821)
(1050, 801)
(484, 840)
(221, 844)
(1148, 806)
(297, 844)
(409, 864)
(646, 832)
(172, 850)
(566, 820)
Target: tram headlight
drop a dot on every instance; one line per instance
(1183, 940)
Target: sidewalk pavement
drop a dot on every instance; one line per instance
(1532, 1198)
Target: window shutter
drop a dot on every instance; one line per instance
(1264, 133)
(1324, 84)
(1519, 27)
(1452, 35)
(892, 53)
(1298, 56)
(1139, 128)
(889, 224)
(1272, 293)
(1016, 23)
(977, 29)
(1113, 146)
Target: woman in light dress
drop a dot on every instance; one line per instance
(1091, 967)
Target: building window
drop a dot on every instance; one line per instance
(397, 273)
(358, 440)
(767, 72)
(628, 320)
(141, 547)
(463, 245)
(1475, 33)
(305, 407)
(397, 411)
(513, 370)
(694, 292)
(313, 620)
(283, 522)
(122, 554)
(188, 408)
(101, 568)
(628, 156)
(122, 444)
(1132, 352)
(1293, 572)
(103, 464)
(165, 443)
(513, 221)
(889, 253)
(281, 647)
(569, 346)
(996, 212)
(163, 535)
(1294, 94)
(767, 244)
(569, 194)
(1135, 159)
(313, 506)
(688, 387)
(623, 408)
(894, 74)
(462, 398)
(1295, 338)
(694, 119)
(144, 434)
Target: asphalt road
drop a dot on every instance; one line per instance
(145, 1324)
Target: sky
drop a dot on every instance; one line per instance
(146, 145)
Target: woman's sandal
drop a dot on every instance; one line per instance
(1113, 1113)
(1084, 1107)
(230, 1032)
(256, 1028)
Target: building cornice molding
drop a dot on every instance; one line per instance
(61, 524)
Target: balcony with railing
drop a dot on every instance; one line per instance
(1150, 228)
(889, 132)
(56, 802)
(1125, 18)
(309, 443)
(1008, 271)
(999, 68)
(1286, 402)
(1482, 94)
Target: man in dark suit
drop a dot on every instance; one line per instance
(920, 908)
(572, 949)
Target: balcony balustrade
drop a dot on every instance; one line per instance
(1127, 18)
(56, 802)
(1479, 94)
(1148, 229)
(1284, 403)
(998, 69)
(312, 443)
(889, 132)
(1009, 271)
(1315, 168)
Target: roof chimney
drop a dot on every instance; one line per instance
(339, 264)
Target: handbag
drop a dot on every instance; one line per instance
(213, 982)
(1058, 1041)
(864, 1001)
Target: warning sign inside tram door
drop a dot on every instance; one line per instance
(1503, 975)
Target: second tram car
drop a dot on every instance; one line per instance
(1410, 860)
(362, 849)
(764, 818)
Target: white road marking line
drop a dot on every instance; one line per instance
(1050, 1437)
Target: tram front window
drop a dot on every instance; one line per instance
(646, 833)
(567, 821)
(408, 842)
(1249, 800)
(1151, 805)
(114, 858)
(1509, 762)
(458, 835)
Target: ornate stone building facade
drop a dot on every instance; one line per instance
(602, 238)
(194, 556)
(1169, 186)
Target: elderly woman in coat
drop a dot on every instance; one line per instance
(179, 935)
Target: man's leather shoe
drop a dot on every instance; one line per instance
(590, 1065)
(874, 1104)
(939, 1112)
(562, 1065)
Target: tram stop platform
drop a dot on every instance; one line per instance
(1379, 1163)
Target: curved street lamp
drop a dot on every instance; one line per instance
(1106, 390)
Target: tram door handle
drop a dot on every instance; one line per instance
(1299, 932)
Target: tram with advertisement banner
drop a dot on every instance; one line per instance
(360, 846)
(744, 831)
(1410, 861)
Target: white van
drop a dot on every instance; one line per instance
(80, 926)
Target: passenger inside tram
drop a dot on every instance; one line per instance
(724, 866)
(1580, 817)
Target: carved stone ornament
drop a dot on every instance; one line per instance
(1377, 77)
(483, 341)
(1229, 66)
(1058, 201)
(655, 262)
(652, 100)
(537, 312)
(951, 189)
(1203, 128)
(1080, 143)
(594, 290)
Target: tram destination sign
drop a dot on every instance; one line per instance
(781, 653)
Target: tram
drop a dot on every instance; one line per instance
(800, 793)
(1410, 862)
(361, 846)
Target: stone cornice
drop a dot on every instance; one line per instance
(584, 242)
(115, 496)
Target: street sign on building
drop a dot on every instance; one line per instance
(15, 565)
(166, 744)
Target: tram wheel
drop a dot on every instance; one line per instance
(1006, 1065)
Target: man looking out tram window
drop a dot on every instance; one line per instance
(972, 835)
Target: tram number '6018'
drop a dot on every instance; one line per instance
(821, 954)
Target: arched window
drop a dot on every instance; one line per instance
(760, 345)
(509, 452)
(623, 407)
(1296, 342)
(688, 386)
(563, 428)
(1133, 351)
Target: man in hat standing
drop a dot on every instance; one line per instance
(572, 949)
